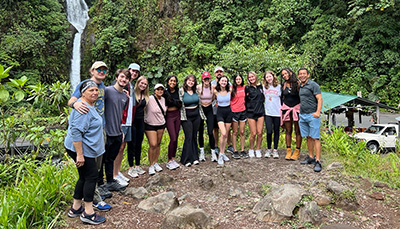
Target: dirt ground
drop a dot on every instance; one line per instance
(230, 201)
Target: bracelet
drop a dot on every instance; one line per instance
(72, 104)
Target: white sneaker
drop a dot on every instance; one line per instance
(175, 164)
(202, 156)
(268, 153)
(196, 162)
(123, 177)
(258, 153)
(213, 155)
(220, 159)
(132, 172)
(120, 181)
(251, 153)
(188, 164)
(157, 167)
(170, 165)
(152, 171)
(139, 170)
(275, 154)
(226, 158)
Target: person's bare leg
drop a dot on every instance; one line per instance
(234, 134)
(158, 149)
(253, 132)
(223, 138)
(298, 134)
(89, 208)
(288, 133)
(242, 126)
(118, 159)
(310, 146)
(317, 149)
(260, 125)
(215, 132)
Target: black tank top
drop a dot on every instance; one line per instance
(290, 98)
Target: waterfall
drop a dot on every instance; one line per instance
(77, 14)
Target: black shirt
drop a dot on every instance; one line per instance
(172, 99)
(254, 100)
(289, 97)
(140, 105)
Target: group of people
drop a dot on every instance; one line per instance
(106, 119)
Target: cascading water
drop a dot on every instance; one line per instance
(77, 14)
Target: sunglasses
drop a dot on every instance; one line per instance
(99, 70)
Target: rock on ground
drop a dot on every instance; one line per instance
(162, 203)
(187, 216)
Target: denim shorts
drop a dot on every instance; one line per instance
(310, 126)
(128, 133)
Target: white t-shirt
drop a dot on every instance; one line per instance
(272, 103)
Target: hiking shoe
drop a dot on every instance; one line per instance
(251, 153)
(157, 167)
(226, 158)
(126, 179)
(317, 167)
(230, 149)
(92, 219)
(236, 155)
(275, 154)
(152, 170)
(102, 206)
(188, 164)
(139, 170)
(175, 164)
(170, 165)
(75, 213)
(133, 173)
(308, 160)
(267, 153)
(196, 162)
(104, 192)
(258, 153)
(121, 181)
(220, 159)
(244, 154)
(213, 156)
(202, 156)
(114, 186)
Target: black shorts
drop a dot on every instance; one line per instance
(239, 116)
(224, 114)
(149, 127)
(254, 116)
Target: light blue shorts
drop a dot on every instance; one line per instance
(128, 133)
(309, 126)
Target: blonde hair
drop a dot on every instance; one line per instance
(253, 73)
(274, 81)
(145, 92)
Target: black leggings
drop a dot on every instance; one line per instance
(86, 183)
(112, 149)
(135, 146)
(208, 112)
(190, 152)
(272, 123)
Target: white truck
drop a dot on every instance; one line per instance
(380, 136)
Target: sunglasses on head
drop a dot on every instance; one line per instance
(99, 70)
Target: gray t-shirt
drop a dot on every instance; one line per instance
(115, 103)
(308, 102)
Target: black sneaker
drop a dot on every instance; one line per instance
(236, 155)
(308, 160)
(92, 219)
(243, 154)
(317, 167)
(114, 186)
(103, 192)
(230, 149)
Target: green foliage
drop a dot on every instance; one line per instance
(34, 194)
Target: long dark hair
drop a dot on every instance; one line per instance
(293, 80)
(234, 85)
(218, 88)
(186, 87)
(176, 88)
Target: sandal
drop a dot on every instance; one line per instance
(92, 219)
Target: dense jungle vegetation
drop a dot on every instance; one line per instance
(349, 45)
